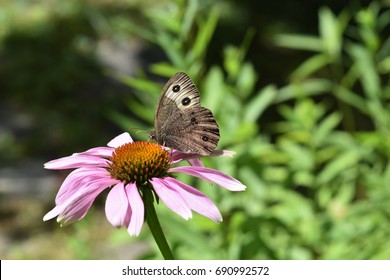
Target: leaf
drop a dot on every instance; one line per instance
(308, 87)
(352, 99)
(188, 18)
(163, 69)
(232, 61)
(246, 80)
(187, 234)
(145, 113)
(384, 66)
(214, 89)
(330, 33)
(143, 85)
(325, 128)
(299, 42)
(127, 123)
(165, 19)
(310, 66)
(204, 35)
(365, 66)
(335, 167)
(259, 104)
(172, 48)
(301, 158)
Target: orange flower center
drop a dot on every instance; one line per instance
(139, 162)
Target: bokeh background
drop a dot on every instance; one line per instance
(300, 90)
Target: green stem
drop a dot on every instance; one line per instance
(154, 225)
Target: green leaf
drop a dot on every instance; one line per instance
(259, 104)
(246, 80)
(206, 31)
(186, 233)
(172, 48)
(188, 18)
(129, 124)
(325, 128)
(305, 88)
(300, 42)
(335, 167)
(142, 111)
(352, 99)
(213, 90)
(165, 19)
(384, 66)
(163, 69)
(309, 67)
(142, 85)
(330, 33)
(365, 66)
(232, 61)
(130, 27)
(300, 156)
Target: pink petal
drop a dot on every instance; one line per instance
(222, 153)
(120, 140)
(124, 207)
(81, 203)
(137, 210)
(77, 205)
(178, 156)
(104, 152)
(196, 200)
(76, 161)
(80, 178)
(171, 198)
(196, 162)
(212, 175)
(117, 205)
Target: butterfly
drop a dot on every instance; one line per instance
(180, 122)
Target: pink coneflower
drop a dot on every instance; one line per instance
(133, 169)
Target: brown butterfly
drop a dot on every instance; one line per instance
(180, 122)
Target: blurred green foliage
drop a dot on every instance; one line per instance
(313, 151)
(50, 74)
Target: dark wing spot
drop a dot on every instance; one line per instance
(193, 119)
(186, 101)
(205, 138)
(176, 88)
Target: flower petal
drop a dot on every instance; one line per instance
(178, 156)
(171, 198)
(196, 200)
(222, 153)
(78, 204)
(82, 177)
(212, 175)
(196, 162)
(76, 161)
(120, 140)
(103, 152)
(117, 205)
(53, 213)
(137, 210)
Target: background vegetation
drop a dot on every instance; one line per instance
(300, 91)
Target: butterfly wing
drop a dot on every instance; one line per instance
(181, 90)
(194, 130)
(180, 122)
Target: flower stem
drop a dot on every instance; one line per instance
(154, 225)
